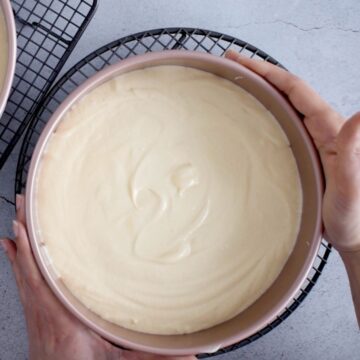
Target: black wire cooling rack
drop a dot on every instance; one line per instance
(156, 40)
(47, 32)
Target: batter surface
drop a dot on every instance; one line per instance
(3, 49)
(169, 200)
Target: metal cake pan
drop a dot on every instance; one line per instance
(288, 283)
(6, 9)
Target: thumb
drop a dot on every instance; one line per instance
(347, 173)
(342, 196)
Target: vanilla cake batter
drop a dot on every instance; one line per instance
(168, 200)
(3, 49)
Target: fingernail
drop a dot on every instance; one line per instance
(229, 52)
(18, 202)
(15, 228)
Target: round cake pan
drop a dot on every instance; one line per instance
(6, 9)
(282, 291)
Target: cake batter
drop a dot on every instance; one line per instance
(168, 200)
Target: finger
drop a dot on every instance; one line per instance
(321, 120)
(9, 248)
(20, 208)
(25, 259)
(27, 270)
(28, 273)
(348, 161)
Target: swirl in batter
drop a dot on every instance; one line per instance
(168, 199)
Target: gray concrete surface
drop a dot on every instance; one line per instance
(318, 40)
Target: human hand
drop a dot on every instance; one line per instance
(338, 143)
(54, 333)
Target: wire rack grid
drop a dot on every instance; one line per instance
(47, 32)
(157, 40)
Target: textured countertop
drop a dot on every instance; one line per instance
(319, 41)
